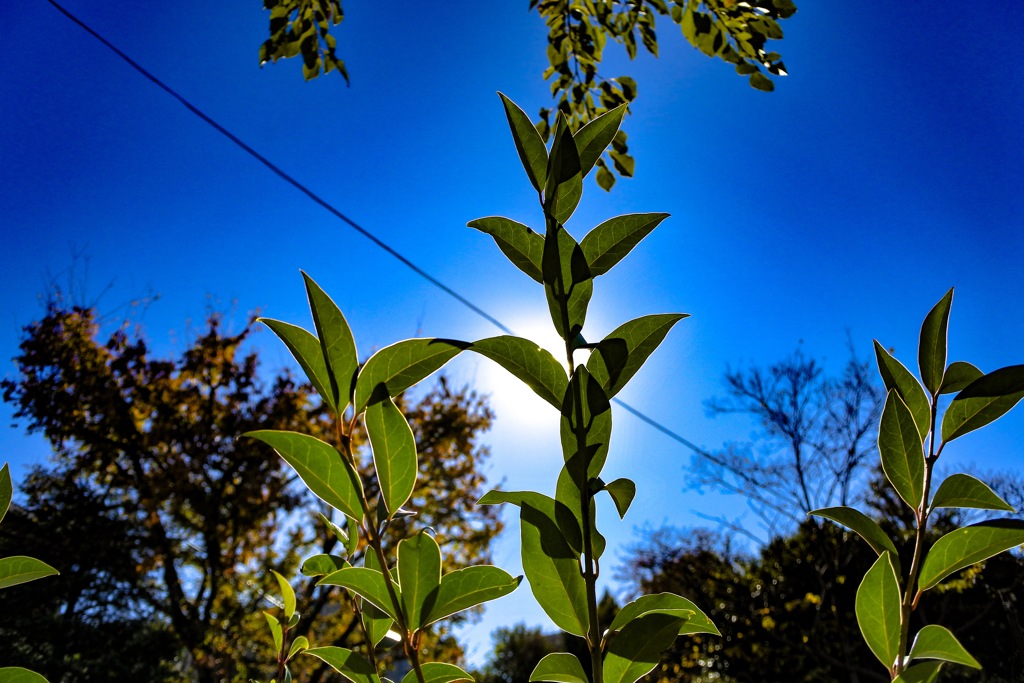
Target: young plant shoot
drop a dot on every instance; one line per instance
(910, 441)
(404, 599)
(561, 545)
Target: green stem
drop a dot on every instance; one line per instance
(910, 592)
(588, 569)
(374, 540)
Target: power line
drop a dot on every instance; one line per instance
(351, 223)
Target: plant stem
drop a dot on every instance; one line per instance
(921, 517)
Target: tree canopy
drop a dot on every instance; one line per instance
(578, 31)
(184, 517)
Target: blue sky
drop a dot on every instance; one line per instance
(885, 169)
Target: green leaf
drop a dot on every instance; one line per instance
(402, 365)
(564, 518)
(338, 532)
(931, 353)
(564, 182)
(964, 491)
(593, 138)
(275, 630)
(761, 82)
(899, 444)
(605, 178)
(969, 545)
(925, 672)
(367, 583)
(529, 144)
(287, 594)
(349, 664)
(637, 649)
(438, 672)
(936, 642)
(521, 245)
(567, 282)
(300, 644)
(957, 376)
(307, 351)
(878, 610)
(569, 494)
(419, 573)
(896, 376)
(985, 399)
(322, 469)
(7, 490)
(552, 569)
(16, 674)
(667, 603)
(559, 667)
(394, 452)
(535, 366)
(608, 243)
(322, 565)
(587, 421)
(466, 588)
(863, 526)
(622, 491)
(619, 355)
(336, 341)
(376, 622)
(21, 569)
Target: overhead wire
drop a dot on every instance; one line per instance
(291, 180)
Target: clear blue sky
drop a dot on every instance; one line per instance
(884, 170)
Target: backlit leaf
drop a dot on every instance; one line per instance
(7, 490)
(336, 342)
(567, 282)
(936, 642)
(367, 583)
(322, 565)
(637, 649)
(16, 674)
(465, 588)
(349, 664)
(322, 469)
(21, 569)
(535, 366)
(931, 353)
(899, 444)
(306, 349)
(585, 428)
(419, 573)
(622, 491)
(896, 376)
(521, 245)
(553, 570)
(275, 630)
(669, 603)
(287, 594)
(559, 667)
(863, 526)
(878, 610)
(957, 376)
(394, 452)
(529, 144)
(964, 491)
(593, 138)
(619, 355)
(300, 644)
(985, 399)
(402, 365)
(438, 672)
(608, 243)
(969, 545)
(925, 672)
(564, 182)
